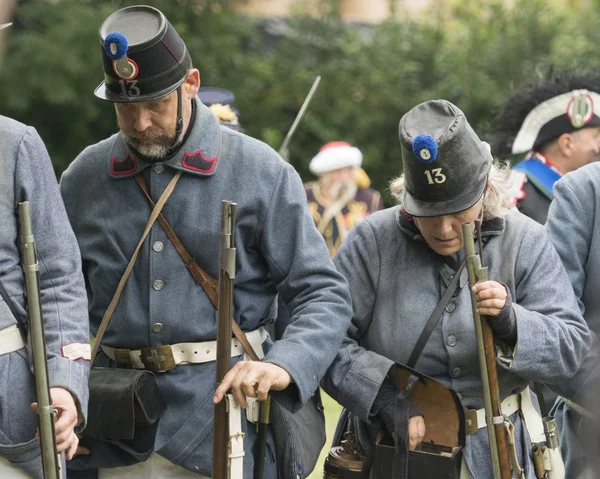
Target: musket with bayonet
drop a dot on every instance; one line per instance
(283, 150)
(221, 437)
(51, 460)
(494, 419)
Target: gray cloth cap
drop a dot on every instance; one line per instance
(447, 167)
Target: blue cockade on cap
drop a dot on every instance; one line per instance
(425, 148)
(116, 45)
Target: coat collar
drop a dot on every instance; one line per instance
(198, 155)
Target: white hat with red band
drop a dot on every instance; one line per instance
(333, 156)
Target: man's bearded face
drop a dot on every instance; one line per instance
(149, 127)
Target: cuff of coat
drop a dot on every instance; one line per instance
(298, 362)
(504, 324)
(362, 383)
(73, 377)
(528, 352)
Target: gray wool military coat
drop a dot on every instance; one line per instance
(279, 250)
(574, 229)
(27, 175)
(395, 284)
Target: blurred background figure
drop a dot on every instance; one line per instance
(574, 228)
(220, 102)
(341, 197)
(556, 124)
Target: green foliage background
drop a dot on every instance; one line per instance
(473, 54)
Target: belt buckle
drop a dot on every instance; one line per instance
(123, 358)
(159, 359)
(471, 425)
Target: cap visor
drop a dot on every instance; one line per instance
(105, 94)
(415, 207)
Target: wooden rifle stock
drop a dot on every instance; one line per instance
(220, 464)
(487, 362)
(51, 460)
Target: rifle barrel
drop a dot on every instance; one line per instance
(487, 364)
(51, 461)
(223, 363)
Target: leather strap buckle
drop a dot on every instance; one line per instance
(471, 423)
(123, 358)
(159, 359)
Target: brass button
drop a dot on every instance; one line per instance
(157, 327)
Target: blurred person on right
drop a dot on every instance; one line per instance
(555, 123)
(574, 228)
(401, 263)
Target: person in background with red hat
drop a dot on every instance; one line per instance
(341, 198)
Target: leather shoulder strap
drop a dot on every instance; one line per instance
(209, 284)
(13, 309)
(121, 286)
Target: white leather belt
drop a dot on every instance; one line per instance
(11, 339)
(509, 406)
(165, 358)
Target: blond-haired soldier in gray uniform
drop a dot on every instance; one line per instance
(400, 261)
(27, 175)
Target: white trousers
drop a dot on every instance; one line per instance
(7, 469)
(156, 467)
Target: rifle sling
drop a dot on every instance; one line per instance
(435, 318)
(209, 284)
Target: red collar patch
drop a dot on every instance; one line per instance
(124, 166)
(198, 162)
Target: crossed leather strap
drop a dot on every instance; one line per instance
(209, 284)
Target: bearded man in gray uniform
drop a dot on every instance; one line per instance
(165, 130)
(400, 261)
(27, 175)
(574, 228)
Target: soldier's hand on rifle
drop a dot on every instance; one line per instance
(252, 379)
(491, 297)
(64, 428)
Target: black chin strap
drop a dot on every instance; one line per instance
(179, 124)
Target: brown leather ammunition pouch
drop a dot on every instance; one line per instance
(440, 454)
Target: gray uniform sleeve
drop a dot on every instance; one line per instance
(570, 227)
(64, 301)
(315, 294)
(356, 374)
(552, 336)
